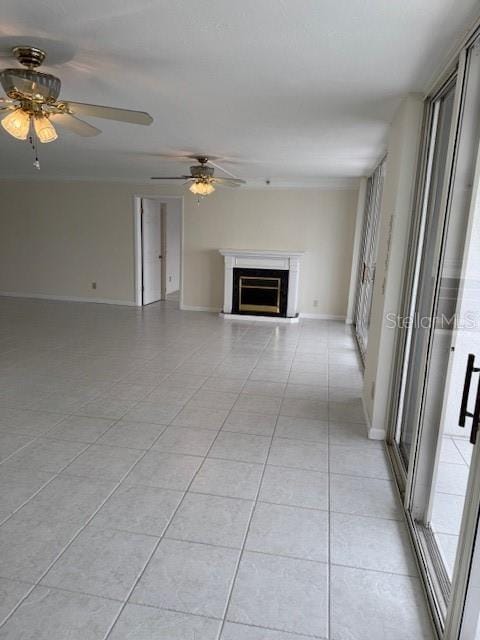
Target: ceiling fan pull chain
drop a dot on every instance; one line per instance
(33, 142)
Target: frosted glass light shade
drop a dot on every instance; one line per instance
(202, 188)
(17, 124)
(44, 129)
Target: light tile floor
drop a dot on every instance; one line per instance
(170, 475)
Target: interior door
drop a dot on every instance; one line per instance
(151, 251)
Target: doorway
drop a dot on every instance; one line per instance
(436, 394)
(158, 231)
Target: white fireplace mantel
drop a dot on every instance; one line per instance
(256, 259)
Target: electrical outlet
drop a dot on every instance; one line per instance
(315, 303)
(94, 285)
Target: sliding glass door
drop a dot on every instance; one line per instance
(436, 400)
(425, 268)
(368, 257)
(463, 621)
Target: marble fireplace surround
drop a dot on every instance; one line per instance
(256, 259)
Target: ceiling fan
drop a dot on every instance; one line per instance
(202, 178)
(32, 99)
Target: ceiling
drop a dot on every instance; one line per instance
(294, 91)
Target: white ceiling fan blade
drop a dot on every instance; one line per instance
(229, 182)
(169, 178)
(109, 113)
(75, 125)
(220, 168)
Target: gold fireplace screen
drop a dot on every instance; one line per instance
(259, 294)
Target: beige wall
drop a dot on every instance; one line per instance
(395, 216)
(321, 223)
(58, 238)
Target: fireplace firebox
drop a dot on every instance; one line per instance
(260, 292)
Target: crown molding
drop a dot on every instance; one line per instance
(320, 183)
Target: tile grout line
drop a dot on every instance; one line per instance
(212, 374)
(162, 537)
(78, 532)
(57, 474)
(247, 530)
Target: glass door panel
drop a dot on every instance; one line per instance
(424, 286)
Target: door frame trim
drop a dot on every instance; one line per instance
(137, 243)
(459, 620)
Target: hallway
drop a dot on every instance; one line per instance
(169, 474)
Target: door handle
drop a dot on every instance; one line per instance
(464, 412)
(475, 417)
(364, 272)
(466, 391)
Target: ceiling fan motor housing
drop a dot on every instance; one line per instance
(30, 85)
(29, 56)
(201, 171)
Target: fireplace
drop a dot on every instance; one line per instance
(262, 285)
(260, 292)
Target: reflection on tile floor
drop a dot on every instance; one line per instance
(170, 475)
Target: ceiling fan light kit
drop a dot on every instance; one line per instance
(17, 124)
(203, 179)
(32, 98)
(44, 128)
(201, 188)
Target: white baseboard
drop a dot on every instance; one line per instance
(47, 296)
(187, 307)
(320, 316)
(245, 317)
(376, 434)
